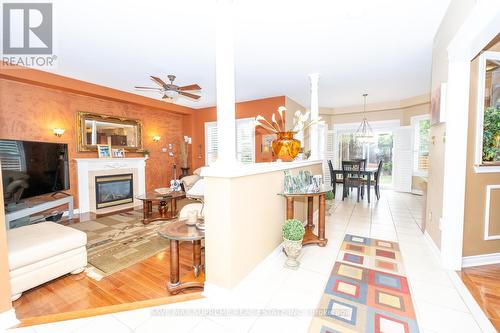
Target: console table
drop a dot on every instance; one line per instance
(39, 207)
(309, 236)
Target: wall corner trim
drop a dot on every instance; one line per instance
(8, 319)
(435, 249)
(481, 260)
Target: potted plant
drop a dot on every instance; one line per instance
(293, 232)
(329, 202)
(145, 152)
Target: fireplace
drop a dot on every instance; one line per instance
(114, 190)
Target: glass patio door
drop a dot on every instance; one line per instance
(379, 150)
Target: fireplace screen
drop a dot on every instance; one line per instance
(114, 190)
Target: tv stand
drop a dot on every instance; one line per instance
(40, 206)
(60, 192)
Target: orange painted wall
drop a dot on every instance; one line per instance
(30, 112)
(250, 109)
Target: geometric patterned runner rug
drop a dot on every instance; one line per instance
(366, 291)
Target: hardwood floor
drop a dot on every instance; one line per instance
(484, 284)
(144, 281)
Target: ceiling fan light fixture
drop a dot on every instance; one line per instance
(171, 94)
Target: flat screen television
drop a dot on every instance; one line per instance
(32, 168)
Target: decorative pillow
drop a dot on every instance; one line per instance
(189, 181)
(197, 172)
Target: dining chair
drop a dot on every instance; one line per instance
(377, 179)
(333, 177)
(352, 177)
(363, 162)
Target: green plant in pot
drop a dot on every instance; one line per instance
(145, 152)
(329, 202)
(293, 232)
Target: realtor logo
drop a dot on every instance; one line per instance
(27, 28)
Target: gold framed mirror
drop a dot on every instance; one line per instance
(96, 129)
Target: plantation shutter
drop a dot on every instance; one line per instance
(245, 140)
(403, 159)
(12, 155)
(211, 142)
(329, 154)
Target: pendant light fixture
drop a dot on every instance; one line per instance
(364, 133)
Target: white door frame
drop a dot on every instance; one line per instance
(481, 26)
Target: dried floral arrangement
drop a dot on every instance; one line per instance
(301, 121)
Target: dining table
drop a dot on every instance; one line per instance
(367, 173)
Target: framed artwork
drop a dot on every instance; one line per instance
(118, 152)
(267, 140)
(438, 99)
(104, 151)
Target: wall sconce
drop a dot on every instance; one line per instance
(156, 138)
(59, 132)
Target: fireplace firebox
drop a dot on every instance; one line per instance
(114, 190)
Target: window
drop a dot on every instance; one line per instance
(245, 141)
(421, 129)
(488, 113)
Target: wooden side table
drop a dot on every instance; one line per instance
(309, 236)
(176, 232)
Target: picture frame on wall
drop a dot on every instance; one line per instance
(104, 151)
(438, 105)
(118, 153)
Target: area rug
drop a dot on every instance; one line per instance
(118, 241)
(367, 291)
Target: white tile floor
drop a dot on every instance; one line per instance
(439, 305)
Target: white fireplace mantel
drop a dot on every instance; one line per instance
(87, 165)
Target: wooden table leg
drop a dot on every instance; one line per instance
(321, 220)
(174, 263)
(197, 257)
(368, 184)
(310, 213)
(147, 210)
(289, 208)
(174, 207)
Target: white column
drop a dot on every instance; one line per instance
(224, 62)
(313, 130)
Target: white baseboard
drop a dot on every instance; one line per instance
(433, 245)
(8, 320)
(480, 260)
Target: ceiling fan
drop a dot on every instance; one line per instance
(170, 90)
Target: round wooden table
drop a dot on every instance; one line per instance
(309, 236)
(176, 232)
(164, 201)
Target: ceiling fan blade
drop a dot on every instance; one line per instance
(193, 96)
(148, 88)
(190, 87)
(159, 81)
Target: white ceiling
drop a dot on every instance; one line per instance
(381, 47)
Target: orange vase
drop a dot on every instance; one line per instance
(286, 147)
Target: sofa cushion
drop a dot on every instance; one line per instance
(197, 172)
(35, 242)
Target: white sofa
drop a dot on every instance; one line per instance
(41, 252)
